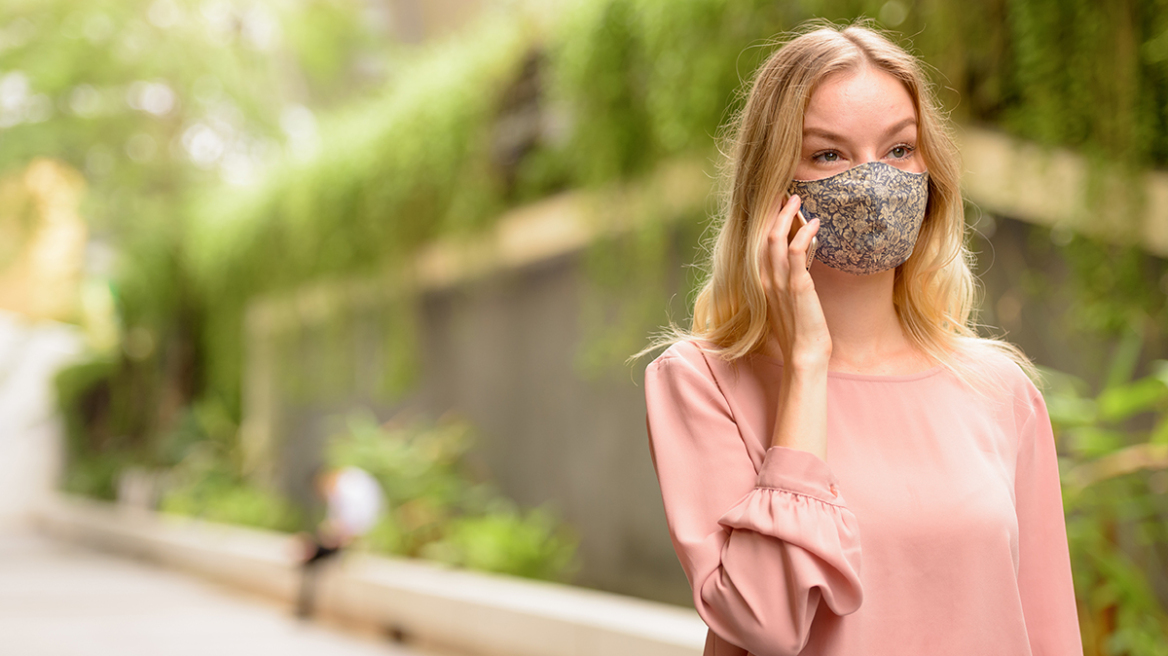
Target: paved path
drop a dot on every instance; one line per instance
(60, 600)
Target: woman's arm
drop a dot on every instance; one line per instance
(1044, 566)
(799, 329)
(761, 548)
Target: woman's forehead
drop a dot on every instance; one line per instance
(861, 102)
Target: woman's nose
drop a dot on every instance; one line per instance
(866, 156)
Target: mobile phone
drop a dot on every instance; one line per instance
(798, 223)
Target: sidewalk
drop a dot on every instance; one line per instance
(59, 600)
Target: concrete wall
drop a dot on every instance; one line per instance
(502, 353)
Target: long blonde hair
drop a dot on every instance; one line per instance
(934, 291)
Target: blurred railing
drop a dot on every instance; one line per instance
(1057, 188)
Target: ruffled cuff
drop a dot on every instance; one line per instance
(800, 472)
(797, 503)
(797, 500)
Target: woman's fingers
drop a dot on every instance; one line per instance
(797, 255)
(777, 249)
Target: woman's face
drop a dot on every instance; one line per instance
(858, 117)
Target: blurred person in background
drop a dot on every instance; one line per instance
(353, 505)
(846, 467)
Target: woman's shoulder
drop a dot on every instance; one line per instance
(692, 351)
(696, 358)
(1000, 367)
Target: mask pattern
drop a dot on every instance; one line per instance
(869, 216)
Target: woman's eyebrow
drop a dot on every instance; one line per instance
(822, 133)
(901, 125)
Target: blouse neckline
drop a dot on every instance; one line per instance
(875, 378)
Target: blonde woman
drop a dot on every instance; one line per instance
(847, 469)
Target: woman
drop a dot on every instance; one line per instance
(846, 468)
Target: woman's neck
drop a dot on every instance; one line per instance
(866, 334)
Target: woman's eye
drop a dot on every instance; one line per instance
(900, 152)
(826, 156)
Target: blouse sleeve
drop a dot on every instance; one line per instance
(761, 548)
(1044, 566)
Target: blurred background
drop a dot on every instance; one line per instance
(240, 240)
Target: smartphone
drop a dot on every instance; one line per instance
(798, 223)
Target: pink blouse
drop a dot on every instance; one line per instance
(951, 539)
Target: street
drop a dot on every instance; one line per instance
(60, 600)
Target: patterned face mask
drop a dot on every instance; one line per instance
(869, 216)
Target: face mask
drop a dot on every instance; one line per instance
(869, 216)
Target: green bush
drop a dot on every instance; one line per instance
(1115, 489)
(94, 476)
(93, 458)
(436, 510)
(506, 540)
(220, 496)
(200, 476)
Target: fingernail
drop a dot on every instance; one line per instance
(795, 198)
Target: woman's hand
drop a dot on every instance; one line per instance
(800, 331)
(797, 323)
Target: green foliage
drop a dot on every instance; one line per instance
(100, 413)
(1115, 286)
(1115, 480)
(115, 88)
(398, 171)
(156, 101)
(205, 485)
(437, 512)
(79, 389)
(201, 475)
(1089, 75)
(227, 500)
(647, 79)
(95, 475)
(534, 545)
